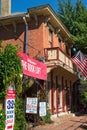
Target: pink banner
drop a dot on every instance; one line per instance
(32, 67)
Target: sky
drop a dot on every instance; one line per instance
(23, 5)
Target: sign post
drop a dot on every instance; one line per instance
(9, 107)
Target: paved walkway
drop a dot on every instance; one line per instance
(72, 123)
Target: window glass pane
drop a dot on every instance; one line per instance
(50, 36)
(68, 99)
(60, 96)
(48, 86)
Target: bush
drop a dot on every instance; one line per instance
(20, 121)
(2, 120)
(83, 97)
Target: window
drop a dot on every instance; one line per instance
(0, 6)
(48, 87)
(67, 50)
(60, 96)
(59, 38)
(50, 38)
(68, 97)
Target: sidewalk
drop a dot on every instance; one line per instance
(65, 123)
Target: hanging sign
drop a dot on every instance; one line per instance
(42, 108)
(10, 112)
(32, 67)
(31, 105)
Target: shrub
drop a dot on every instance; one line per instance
(20, 122)
(83, 96)
(2, 120)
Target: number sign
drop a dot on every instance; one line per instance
(10, 113)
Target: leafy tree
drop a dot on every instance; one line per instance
(74, 16)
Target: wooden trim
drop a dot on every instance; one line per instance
(52, 93)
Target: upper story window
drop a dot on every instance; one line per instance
(51, 33)
(67, 50)
(0, 6)
(59, 38)
(50, 38)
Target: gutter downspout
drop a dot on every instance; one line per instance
(26, 36)
(25, 49)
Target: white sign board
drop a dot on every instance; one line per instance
(31, 105)
(10, 112)
(42, 108)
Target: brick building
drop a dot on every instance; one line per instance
(49, 41)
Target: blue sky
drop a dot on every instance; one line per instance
(23, 5)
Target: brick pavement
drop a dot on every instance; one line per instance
(72, 123)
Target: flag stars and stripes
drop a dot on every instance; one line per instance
(81, 62)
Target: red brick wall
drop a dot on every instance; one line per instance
(38, 36)
(8, 36)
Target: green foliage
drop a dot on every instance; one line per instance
(74, 16)
(2, 120)
(10, 70)
(20, 122)
(84, 97)
(10, 67)
(84, 82)
(11, 63)
(47, 118)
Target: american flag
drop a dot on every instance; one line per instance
(81, 62)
